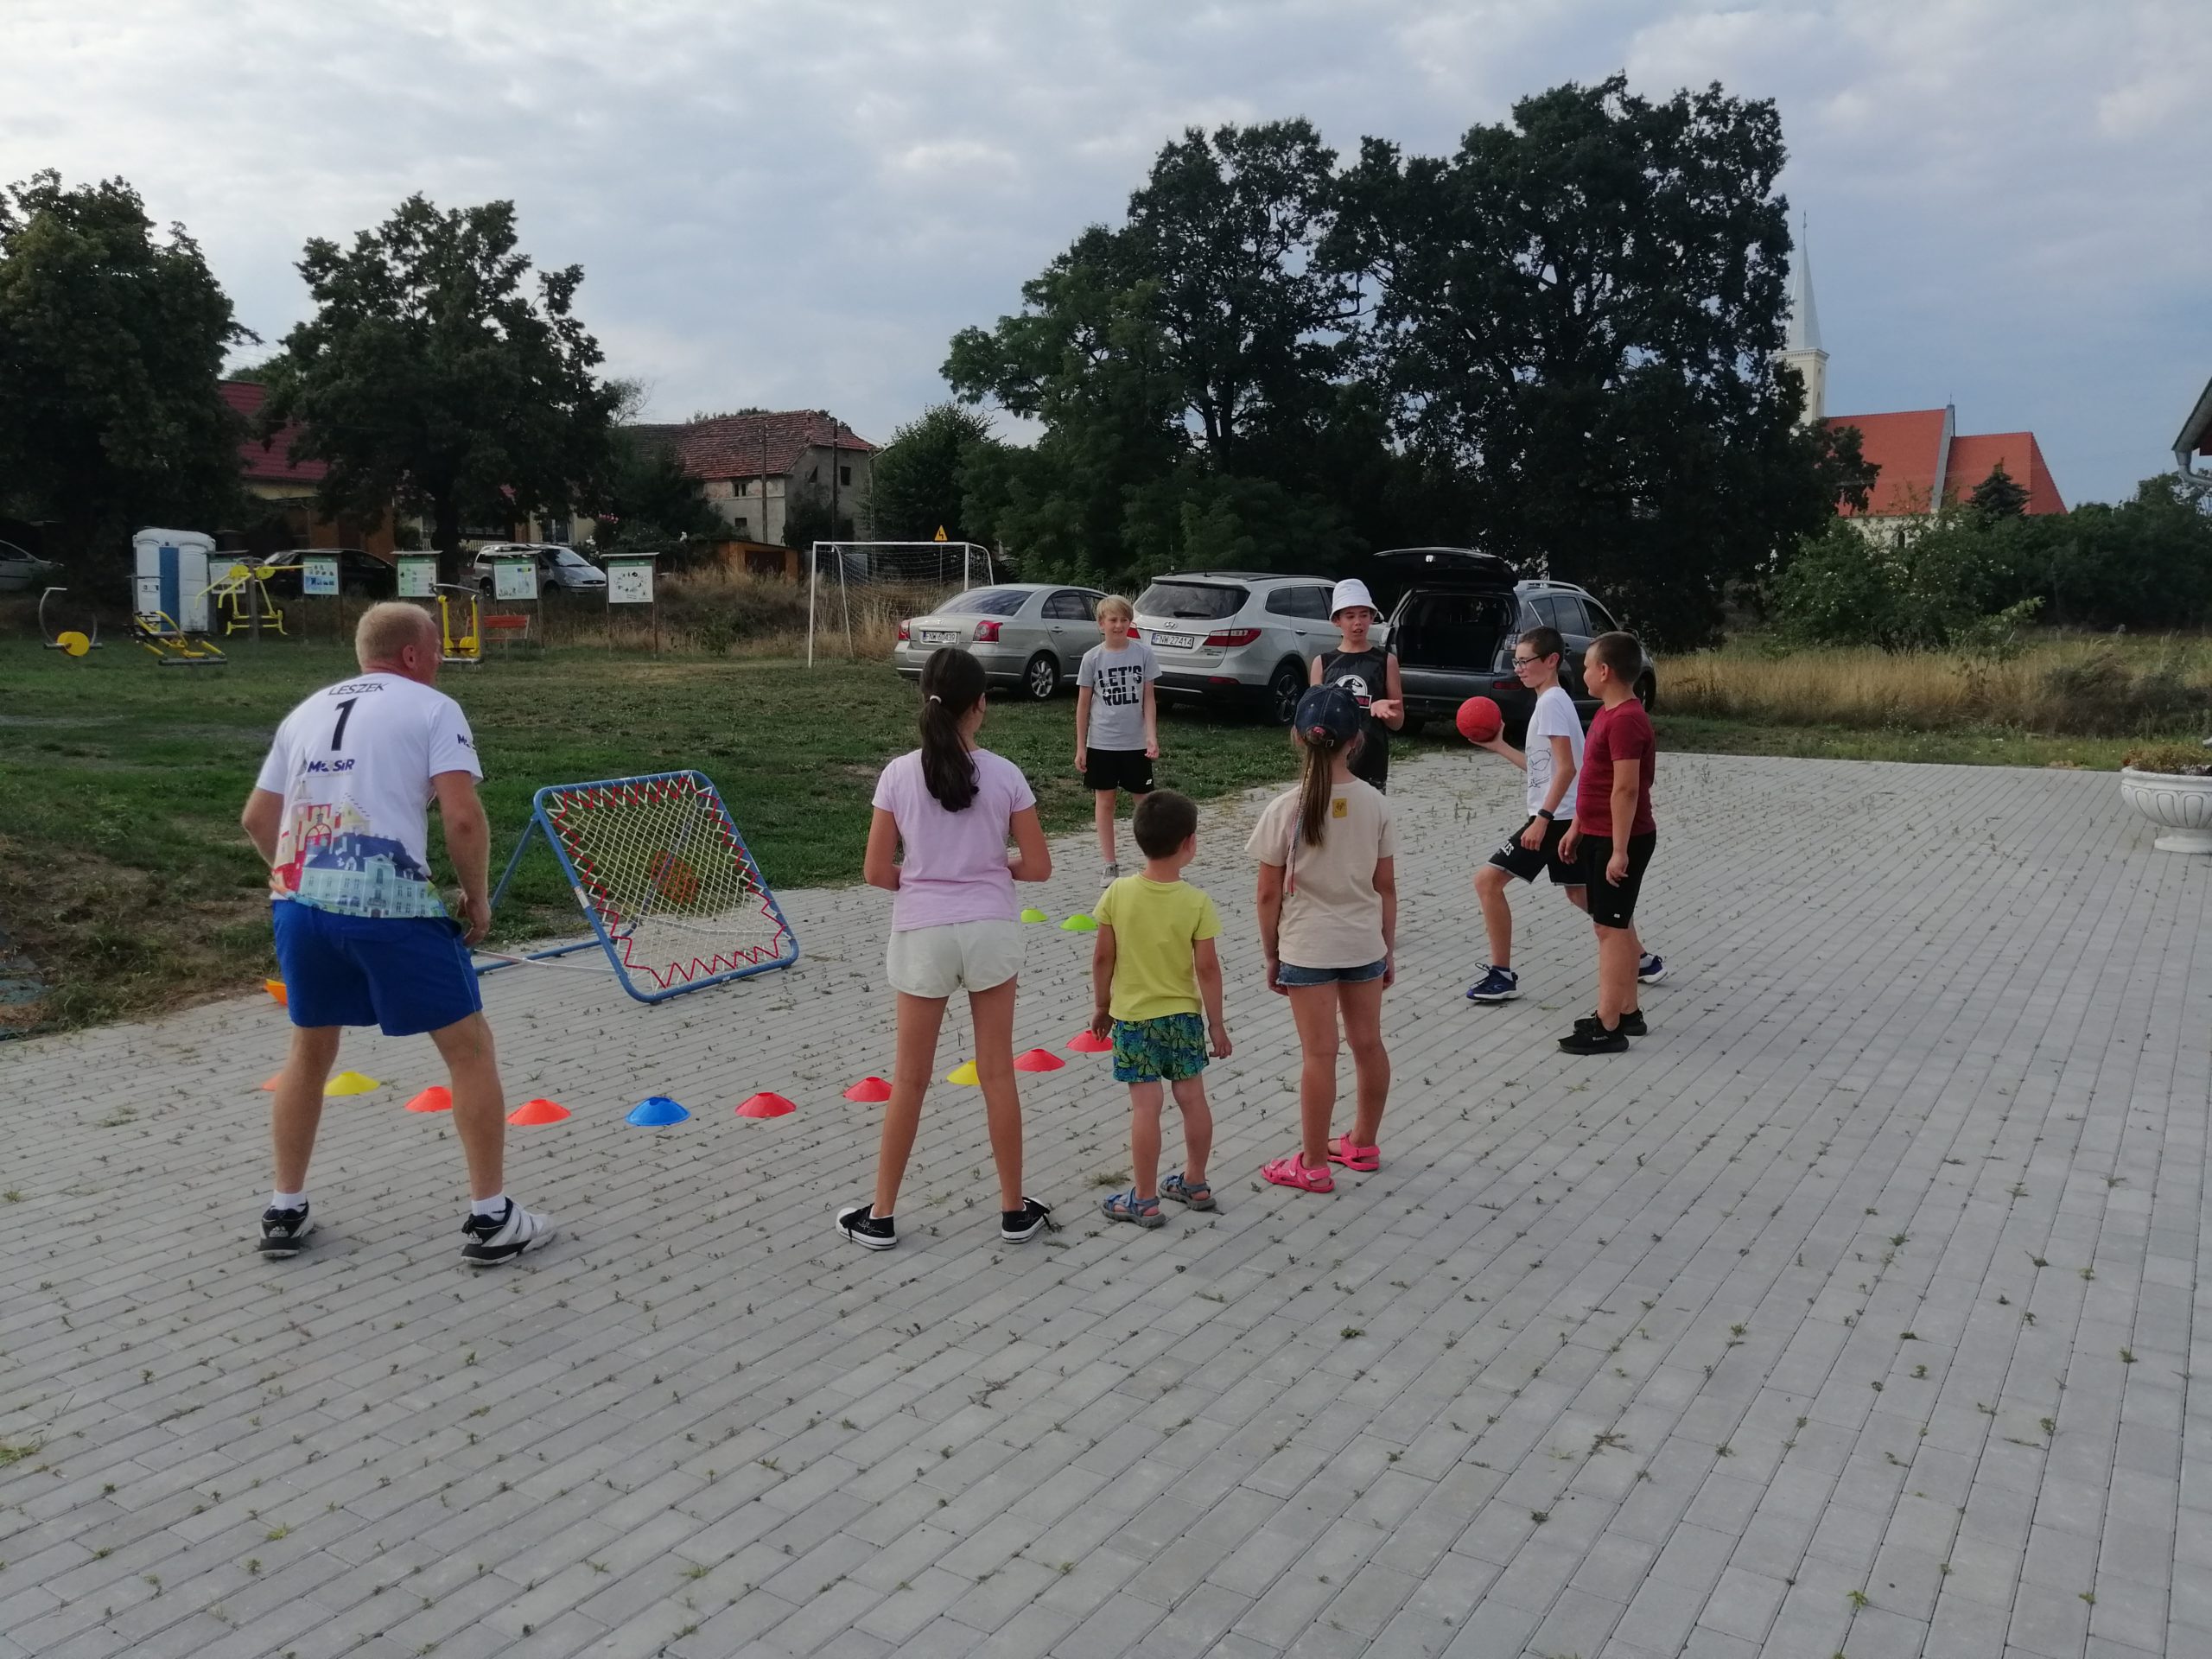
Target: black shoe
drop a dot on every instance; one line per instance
(1019, 1226)
(490, 1239)
(283, 1231)
(863, 1226)
(1631, 1023)
(1594, 1038)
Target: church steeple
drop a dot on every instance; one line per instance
(1801, 346)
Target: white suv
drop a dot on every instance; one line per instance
(1242, 637)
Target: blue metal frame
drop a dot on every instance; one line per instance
(541, 825)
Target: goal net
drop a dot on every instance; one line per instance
(660, 872)
(860, 591)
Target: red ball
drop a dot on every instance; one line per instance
(1480, 720)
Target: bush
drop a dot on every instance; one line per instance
(2100, 695)
(2175, 759)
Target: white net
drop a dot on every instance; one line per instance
(858, 592)
(660, 865)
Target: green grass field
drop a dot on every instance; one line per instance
(125, 879)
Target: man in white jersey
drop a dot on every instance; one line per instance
(340, 814)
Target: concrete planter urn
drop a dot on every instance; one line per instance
(2179, 803)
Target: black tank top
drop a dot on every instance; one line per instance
(1366, 675)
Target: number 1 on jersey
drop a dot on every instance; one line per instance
(338, 731)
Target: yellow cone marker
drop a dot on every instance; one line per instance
(1080, 923)
(963, 1072)
(1034, 914)
(350, 1082)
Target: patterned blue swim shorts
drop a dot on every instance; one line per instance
(1164, 1050)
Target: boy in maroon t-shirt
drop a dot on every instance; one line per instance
(1613, 835)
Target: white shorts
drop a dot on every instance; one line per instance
(958, 956)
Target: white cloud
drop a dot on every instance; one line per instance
(798, 204)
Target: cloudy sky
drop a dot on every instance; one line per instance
(797, 203)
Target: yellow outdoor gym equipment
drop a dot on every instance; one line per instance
(156, 632)
(467, 643)
(242, 599)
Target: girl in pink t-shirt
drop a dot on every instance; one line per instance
(954, 926)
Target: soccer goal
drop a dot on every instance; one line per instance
(858, 587)
(660, 872)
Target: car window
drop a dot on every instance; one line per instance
(1284, 603)
(1066, 606)
(1571, 617)
(1200, 602)
(1601, 620)
(984, 601)
(1545, 609)
(1310, 603)
(570, 556)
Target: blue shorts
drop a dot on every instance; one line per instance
(1290, 974)
(407, 975)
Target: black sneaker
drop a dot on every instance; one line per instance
(1631, 1023)
(494, 1239)
(1019, 1226)
(863, 1226)
(283, 1231)
(1594, 1038)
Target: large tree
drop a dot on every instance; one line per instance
(111, 345)
(1198, 343)
(915, 480)
(1579, 313)
(429, 377)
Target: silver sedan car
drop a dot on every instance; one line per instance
(1032, 634)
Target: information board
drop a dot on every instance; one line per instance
(629, 581)
(514, 578)
(319, 578)
(418, 575)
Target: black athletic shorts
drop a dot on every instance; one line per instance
(1610, 906)
(1516, 859)
(1129, 769)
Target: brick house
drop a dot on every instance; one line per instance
(751, 468)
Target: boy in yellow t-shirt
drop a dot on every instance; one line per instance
(1154, 964)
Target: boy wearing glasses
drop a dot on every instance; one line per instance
(1553, 756)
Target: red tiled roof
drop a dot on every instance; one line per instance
(266, 462)
(731, 446)
(2018, 453)
(1907, 444)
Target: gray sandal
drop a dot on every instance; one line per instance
(1127, 1206)
(1198, 1198)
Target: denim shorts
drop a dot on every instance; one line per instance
(1290, 973)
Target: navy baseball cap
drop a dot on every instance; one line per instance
(1327, 710)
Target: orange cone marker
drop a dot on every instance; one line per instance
(537, 1111)
(765, 1105)
(269, 1087)
(869, 1089)
(435, 1098)
(1083, 1043)
(1038, 1060)
(276, 988)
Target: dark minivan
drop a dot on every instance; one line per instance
(1457, 613)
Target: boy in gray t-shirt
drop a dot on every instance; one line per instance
(1117, 718)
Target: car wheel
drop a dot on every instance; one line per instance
(1283, 693)
(1041, 678)
(484, 583)
(549, 590)
(1647, 692)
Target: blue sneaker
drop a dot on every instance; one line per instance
(1498, 985)
(1650, 970)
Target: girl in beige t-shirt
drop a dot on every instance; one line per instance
(1328, 924)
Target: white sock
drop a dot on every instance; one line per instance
(494, 1206)
(288, 1200)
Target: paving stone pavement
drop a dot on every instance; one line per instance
(1852, 1312)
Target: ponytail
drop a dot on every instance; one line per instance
(952, 683)
(1320, 782)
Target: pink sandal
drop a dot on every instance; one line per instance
(1292, 1171)
(1362, 1160)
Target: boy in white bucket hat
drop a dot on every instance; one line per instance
(1370, 672)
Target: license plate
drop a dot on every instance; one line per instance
(938, 636)
(1176, 641)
